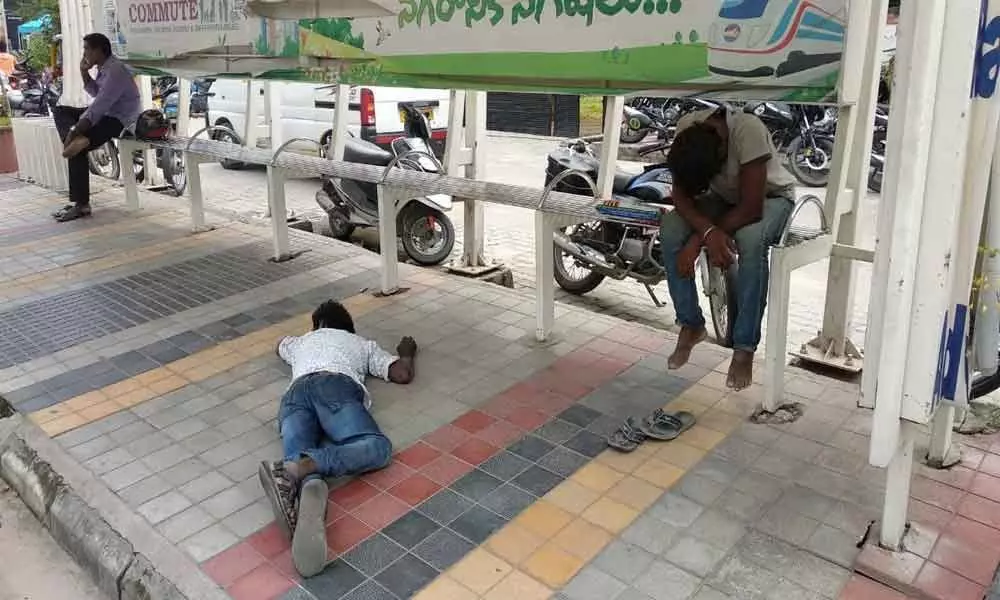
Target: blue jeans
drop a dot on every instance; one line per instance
(753, 243)
(323, 416)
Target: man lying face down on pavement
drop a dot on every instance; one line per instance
(326, 429)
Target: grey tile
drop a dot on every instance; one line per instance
(718, 528)
(717, 469)
(676, 510)
(790, 526)
(163, 507)
(694, 555)
(109, 461)
(208, 542)
(557, 431)
(739, 451)
(204, 486)
(743, 506)
(92, 448)
(370, 590)
(185, 471)
(604, 426)
(410, 529)
(477, 524)
(297, 593)
(126, 475)
(810, 571)
(562, 461)
(707, 593)
(587, 443)
(623, 560)
(650, 534)
(185, 524)
(664, 581)
(406, 576)
(839, 547)
(374, 554)
(146, 445)
(505, 466)
(131, 432)
(531, 448)
(227, 502)
(702, 490)
(251, 519)
(204, 440)
(537, 481)
(476, 484)
(507, 501)
(166, 457)
(443, 548)
(579, 415)
(593, 584)
(185, 429)
(777, 463)
(787, 589)
(141, 492)
(337, 579)
(744, 580)
(445, 506)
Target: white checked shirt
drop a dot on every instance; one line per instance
(336, 351)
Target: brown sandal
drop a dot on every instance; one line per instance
(280, 488)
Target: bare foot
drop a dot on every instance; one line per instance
(686, 341)
(740, 370)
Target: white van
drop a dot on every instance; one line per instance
(307, 111)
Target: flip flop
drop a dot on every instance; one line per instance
(664, 426)
(72, 213)
(280, 491)
(627, 437)
(309, 541)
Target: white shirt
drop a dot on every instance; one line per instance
(336, 351)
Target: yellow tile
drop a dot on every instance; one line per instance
(543, 519)
(203, 372)
(153, 375)
(680, 454)
(63, 424)
(715, 380)
(85, 400)
(635, 492)
(50, 413)
(680, 404)
(213, 353)
(582, 539)
(610, 514)
(135, 397)
(444, 588)
(258, 349)
(597, 477)
(479, 571)
(552, 565)
(97, 411)
(702, 437)
(700, 394)
(171, 383)
(229, 361)
(122, 387)
(514, 543)
(720, 421)
(623, 462)
(659, 473)
(187, 363)
(518, 586)
(571, 496)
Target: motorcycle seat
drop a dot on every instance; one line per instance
(367, 153)
(622, 181)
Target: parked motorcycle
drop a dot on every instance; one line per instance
(105, 162)
(805, 133)
(587, 253)
(877, 166)
(646, 115)
(427, 233)
(40, 95)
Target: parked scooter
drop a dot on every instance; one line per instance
(805, 133)
(40, 95)
(427, 233)
(877, 165)
(587, 253)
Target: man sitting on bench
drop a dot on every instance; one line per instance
(326, 429)
(116, 104)
(731, 194)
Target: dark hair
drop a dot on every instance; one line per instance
(695, 158)
(332, 315)
(98, 41)
(3, 45)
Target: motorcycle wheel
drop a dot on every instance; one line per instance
(173, 171)
(981, 386)
(632, 136)
(227, 135)
(801, 161)
(574, 278)
(104, 162)
(340, 225)
(875, 180)
(428, 235)
(722, 301)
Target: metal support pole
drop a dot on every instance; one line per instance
(455, 156)
(545, 292)
(387, 240)
(272, 116)
(125, 149)
(778, 295)
(897, 491)
(338, 137)
(193, 168)
(150, 167)
(475, 137)
(252, 111)
(276, 200)
(609, 145)
(183, 107)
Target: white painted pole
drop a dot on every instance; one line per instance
(252, 113)
(454, 145)
(897, 492)
(609, 145)
(338, 137)
(276, 127)
(183, 107)
(279, 225)
(986, 336)
(150, 166)
(387, 239)
(899, 218)
(475, 138)
(545, 292)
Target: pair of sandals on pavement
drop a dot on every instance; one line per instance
(659, 425)
(300, 514)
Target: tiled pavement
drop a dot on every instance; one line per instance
(501, 487)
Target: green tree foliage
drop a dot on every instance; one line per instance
(335, 29)
(38, 52)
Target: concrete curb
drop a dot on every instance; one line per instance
(35, 466)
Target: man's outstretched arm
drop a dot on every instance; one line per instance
(403, 369)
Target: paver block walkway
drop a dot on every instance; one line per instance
(148, 354)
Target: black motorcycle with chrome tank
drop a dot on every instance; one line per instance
(587, 253)
(427, 233)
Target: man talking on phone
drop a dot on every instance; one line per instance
(116, 104)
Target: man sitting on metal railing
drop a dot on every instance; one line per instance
(116, 104)
(731, 194)
(326, 429)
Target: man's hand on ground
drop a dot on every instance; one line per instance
(407, 347)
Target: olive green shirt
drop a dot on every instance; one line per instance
(749, 140)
